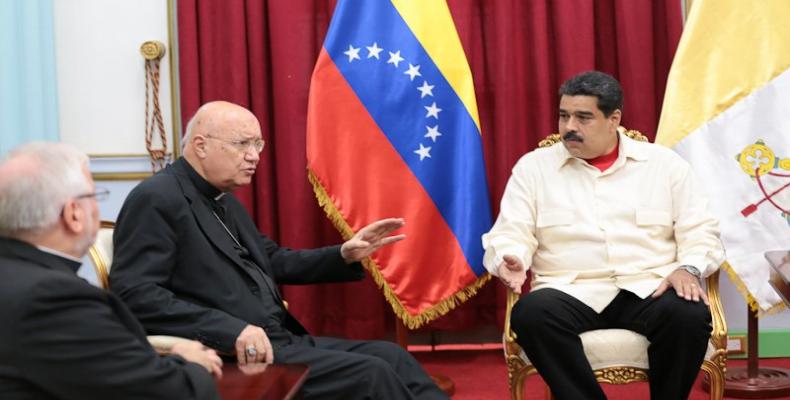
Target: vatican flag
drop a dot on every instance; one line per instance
(727, 111)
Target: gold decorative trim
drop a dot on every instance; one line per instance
(620, 375)
(153, 49)
(633, 134)
(744, 291)
(716, 375)
(120, 176)
(99, 263)
(718, 335)
(175, 83)
(411, 321)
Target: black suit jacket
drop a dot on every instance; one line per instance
(60, 337)
(176, 267)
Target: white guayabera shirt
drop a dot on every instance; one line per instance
(590, 233)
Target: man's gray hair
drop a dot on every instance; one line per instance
(190, 127)
(33, 199)
(187, 134)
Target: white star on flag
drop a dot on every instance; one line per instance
(433, 111)
(425, 89)
(373, 51)
(352, 53)
(433, 132)
(395, 58)
(414, 70)
(423, 152)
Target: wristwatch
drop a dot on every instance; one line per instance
(691, 270)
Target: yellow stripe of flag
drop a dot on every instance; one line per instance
(723, 56)
(438, 36)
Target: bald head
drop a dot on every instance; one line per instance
(37, 183)
(222, 143)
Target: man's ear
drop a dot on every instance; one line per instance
(199, 145)
(73, 216)
(614, 118)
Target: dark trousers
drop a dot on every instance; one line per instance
(355, 369)
(548, 322)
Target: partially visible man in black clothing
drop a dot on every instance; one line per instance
(60, 337)
(190, 262)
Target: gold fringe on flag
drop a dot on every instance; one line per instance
(411, 321)
(752, 303)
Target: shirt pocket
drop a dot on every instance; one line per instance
(553, 229)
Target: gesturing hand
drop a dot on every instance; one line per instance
(194, 351)
(371, 238)
(512, 273)
(253, 346)
(685, 284)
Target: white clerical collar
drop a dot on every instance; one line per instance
(59, 254)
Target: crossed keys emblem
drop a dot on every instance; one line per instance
(759, 161)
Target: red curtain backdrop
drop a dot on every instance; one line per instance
(260, 54)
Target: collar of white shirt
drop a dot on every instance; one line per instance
(629, 148)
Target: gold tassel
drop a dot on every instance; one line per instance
(750, 300)
(411, 321)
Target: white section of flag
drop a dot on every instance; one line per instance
(712, 150)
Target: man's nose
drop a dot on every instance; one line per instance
(252, 155)
(571, 124)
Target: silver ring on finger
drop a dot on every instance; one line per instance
(251, 352)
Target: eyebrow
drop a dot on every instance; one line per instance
(578, 113)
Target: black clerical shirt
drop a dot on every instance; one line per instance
(267, 288)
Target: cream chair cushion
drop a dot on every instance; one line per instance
(104, 246)
(606, 348)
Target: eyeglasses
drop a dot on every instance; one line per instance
(242, 145)
(100, 194)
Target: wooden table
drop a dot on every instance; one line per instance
(261, 381)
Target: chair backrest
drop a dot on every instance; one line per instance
(100, 253)
(633, 134)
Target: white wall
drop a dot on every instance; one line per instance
(101, 75)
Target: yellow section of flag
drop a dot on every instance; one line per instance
(728, 49)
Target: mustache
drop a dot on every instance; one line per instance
(573, 137)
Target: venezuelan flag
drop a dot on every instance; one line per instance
(725, 111)
(392, 131)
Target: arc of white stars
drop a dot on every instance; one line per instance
(352, 53)
(395, 58)
(373, 51)
(413, 71)
(433, 111)
(425, 89)
(433, 132)
(423, 152)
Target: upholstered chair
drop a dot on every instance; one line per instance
(619, 356)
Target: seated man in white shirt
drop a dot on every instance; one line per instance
(617, 236)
